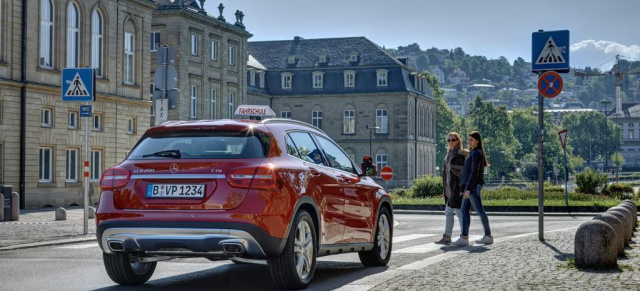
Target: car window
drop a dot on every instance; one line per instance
(199, 145)
(307, 147)
(291, 147)
(337, 158)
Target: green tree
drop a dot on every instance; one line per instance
(446, 120)
(498, 140)
(617, 160)
(592, 134)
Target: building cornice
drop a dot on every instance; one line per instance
(192, 15)
(144, 3)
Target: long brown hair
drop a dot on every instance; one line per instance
(476, 136)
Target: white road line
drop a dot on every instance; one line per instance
(370, 282)
(395, 223)
(403, 238)
(82, 246)
(425, 248)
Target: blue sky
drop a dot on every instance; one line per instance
(599, 28)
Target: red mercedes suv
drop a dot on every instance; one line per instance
(275, 191)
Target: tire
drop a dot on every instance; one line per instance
(124, 271)
(383, 241)
(299, 250)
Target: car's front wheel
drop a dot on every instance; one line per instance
(125, 269)
(381, 252)
(295, 267)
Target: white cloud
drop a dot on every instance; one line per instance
(607, 47)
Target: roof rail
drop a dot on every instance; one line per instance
(291, 121)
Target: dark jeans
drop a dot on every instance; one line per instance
(476, 200)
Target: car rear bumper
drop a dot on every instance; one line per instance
(185, 239)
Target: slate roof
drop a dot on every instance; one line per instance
(189, 3)
(274, 54)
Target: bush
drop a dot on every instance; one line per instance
(400, 192)
(590, 181)
(619, 190)
(509, 189)
(554, 189)
(427, 186)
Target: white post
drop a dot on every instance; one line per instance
(86, 172)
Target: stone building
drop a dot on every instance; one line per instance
(42, 137)
(210, 57)
(347, 87)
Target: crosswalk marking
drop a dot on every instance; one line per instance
(403, 238)
(425, 248)
(82, 246)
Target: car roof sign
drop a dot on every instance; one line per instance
(254, 112)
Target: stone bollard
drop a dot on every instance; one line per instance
(92, 212)
(617, 225)
(627, 206)
(595, 246)
(61, 214)
(634, 210)
(15, 208)
(622, 214)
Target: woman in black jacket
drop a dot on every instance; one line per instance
(471, 183)
(451, 172)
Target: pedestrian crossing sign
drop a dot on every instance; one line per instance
(78, 84)
(550, 51)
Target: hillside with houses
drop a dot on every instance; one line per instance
(512, 84)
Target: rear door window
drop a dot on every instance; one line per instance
(337, 158)
(307, 149)
(291, 147)
(199, 145)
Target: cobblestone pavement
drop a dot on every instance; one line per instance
(521, 264)
(40, 225)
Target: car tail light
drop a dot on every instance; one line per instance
(114, 178)
(262, 177)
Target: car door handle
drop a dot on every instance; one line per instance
(314, 172)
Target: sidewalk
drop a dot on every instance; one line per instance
(521, 264)
(39, 227)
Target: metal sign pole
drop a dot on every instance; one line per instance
(566, 179)
(86, 173)
(540, 166)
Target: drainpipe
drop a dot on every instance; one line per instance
(23, 105)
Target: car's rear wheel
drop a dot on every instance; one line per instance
(295, 267)
(381, 252)
(125, 269)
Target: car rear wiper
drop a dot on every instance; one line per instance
(167, 153)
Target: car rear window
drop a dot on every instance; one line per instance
(200, 145)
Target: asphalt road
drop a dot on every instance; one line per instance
(80, 267)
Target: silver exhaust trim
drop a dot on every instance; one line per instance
(116, 246)
(233, 248)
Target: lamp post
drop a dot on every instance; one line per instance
(606, 133)
(370, 128)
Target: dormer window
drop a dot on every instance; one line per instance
(350, 78)
(353, 57)
(322, 59)
(287, 80)
(318, 80)
(382, 77)
(291, 60)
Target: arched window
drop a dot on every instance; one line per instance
(382, 119)
(96, 42)
(382, 160)
(129, 54)
(46, 34)
(349, 120)
(73, 33)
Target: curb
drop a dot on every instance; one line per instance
(493, 213)
(513, 209)
(88, 238)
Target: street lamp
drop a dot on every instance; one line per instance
(370, 128)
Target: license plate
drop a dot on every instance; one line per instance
(175, 191)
